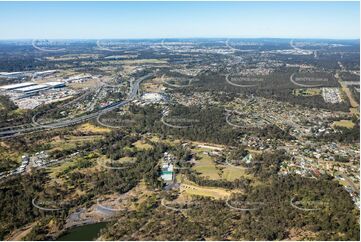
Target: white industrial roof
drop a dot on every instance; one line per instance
(54, 83)
(18, 85)
(32, 88)
(10, 73)
(45, 72)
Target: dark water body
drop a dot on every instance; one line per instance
(84, 232)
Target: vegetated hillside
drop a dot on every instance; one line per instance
(210, 219)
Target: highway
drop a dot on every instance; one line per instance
(34, 118)
(9, 132)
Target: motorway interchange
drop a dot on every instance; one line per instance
(13, 131)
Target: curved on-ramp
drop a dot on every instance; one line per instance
(69, 122)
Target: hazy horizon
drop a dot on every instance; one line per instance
(178, 38)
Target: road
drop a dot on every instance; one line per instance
(15, 131)
(354, 109)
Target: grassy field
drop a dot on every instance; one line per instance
(344, 123)
(90, 128)
(143, 61)
(141, 145)
(209, 169)
(127, 159)
(205, 165)
(129, 56)
(70, 141)
(191, 188)
(217, 193)
(169, 140)
(233, 173)
(208, 146)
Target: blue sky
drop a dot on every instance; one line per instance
(95, 20)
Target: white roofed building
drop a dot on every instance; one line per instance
(17, 86)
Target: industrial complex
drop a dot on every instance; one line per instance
(47, 92)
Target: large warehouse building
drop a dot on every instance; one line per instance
(26, 89)
(32, 89)
(16, 86)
